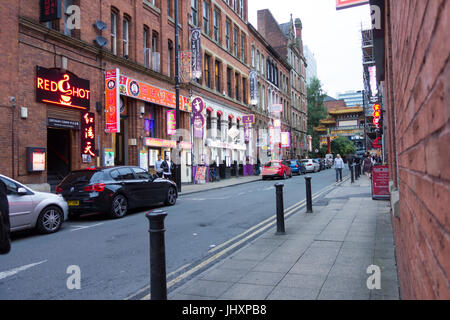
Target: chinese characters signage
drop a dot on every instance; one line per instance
(171, 122)
(50, 10)
(254, 87)
(186, 66)
(112, 101)
(87, 135)
(63, 89)
(196, 53)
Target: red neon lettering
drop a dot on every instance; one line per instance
(46, 82)
(53, 86)
(39, 83)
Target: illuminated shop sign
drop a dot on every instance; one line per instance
(154, 142)
(344, 4)
(62, 88)
(35, 159)
(50, 10)
(87, 135)
(285, 139)
(171, 122)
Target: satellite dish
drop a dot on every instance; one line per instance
(101, 41)
(100, 25)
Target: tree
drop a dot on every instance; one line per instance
(316, 109)
(342, 146)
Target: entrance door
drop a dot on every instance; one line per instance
(121, 145)
(59, 155)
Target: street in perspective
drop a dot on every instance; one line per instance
(224, 150)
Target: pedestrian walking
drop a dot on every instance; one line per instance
(158, 169)
(5, 240)
(338, 166)
(167, 167)
(367, 165)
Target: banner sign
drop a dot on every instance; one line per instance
(88, 135)
(50, 10)
(143, 91)
(112, 101)
(62, 88)
(277, 108)
(380, 182)
(62, 123)
(200, 175)
(198, 119)
(171, 122)
(196, 50)
(285, 139)
(248, 119)
(160, 143)
(186, 66)
(254, 94)
(344, 4)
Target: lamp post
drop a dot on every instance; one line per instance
(177, 100)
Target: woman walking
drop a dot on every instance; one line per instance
(367, 165)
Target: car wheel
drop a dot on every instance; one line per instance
(171, 197)
(119, 207)
(50, 220)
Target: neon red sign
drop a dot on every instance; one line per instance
(63, 89)
(88, 134)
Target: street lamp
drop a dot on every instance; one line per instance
(177, 100)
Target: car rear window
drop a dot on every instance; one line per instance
(272, 164)
(293, 162)
(80, 177)
(305, 161)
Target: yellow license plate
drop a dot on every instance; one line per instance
(73, 203)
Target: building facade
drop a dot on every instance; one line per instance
(352, 98)
(416, 127)
(311, 62)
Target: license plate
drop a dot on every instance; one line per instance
(73, 203)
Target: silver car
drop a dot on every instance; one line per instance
(30, 209)
(311, 165)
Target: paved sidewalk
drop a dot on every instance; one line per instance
(323, 255)
(193, 188)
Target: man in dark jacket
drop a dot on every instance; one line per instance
(5, 241)
(168, 168)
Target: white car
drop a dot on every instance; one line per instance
(311, 165)
(30, 209)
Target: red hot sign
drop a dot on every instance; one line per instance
(63, 89)
(88, 134)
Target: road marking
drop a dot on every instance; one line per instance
(288, 212)
(85, 227)
(14, 271)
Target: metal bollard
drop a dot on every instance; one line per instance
(352, 172)
(158, 281)
(308, 195)
(280, 208)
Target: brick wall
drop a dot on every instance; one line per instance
(418, 111)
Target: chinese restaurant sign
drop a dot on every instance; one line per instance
(87, 135)
(112, 101)
(62, 88)
(171, 122)
(50, 10)
(344, 4)
(143, 91)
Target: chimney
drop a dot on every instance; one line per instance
(298, 28)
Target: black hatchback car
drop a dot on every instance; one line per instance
(115, 190)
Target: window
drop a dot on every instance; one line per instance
(208, 119)
(236, 86)
(243, 48)
(262, 65)
(227, 35)
(113, 32)
(217, 75)
(241, 8)
(235, 42)
(206, 17)
(141, 174)
(244, 90)
(155, 53)
(169, 8)
(253, 56)
(169, 58)
(219, 122)
(235, 5)
(216, 25)
(194, 12)
(207, 71)
(257, 60)
(229, 73)
(146, 47)
(125, 37)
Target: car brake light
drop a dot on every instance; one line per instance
(99, 187)
(296, 165)
(58, 189)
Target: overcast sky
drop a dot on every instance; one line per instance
(333, 36)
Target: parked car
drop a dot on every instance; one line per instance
(29, 209)
(311, 165)
(297, 167)
(115, 190)
(277, 169)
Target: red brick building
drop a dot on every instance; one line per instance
(412, 53)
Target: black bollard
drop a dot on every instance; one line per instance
(352, 172)
(280, 208)
(308, 195)
(158, 281)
